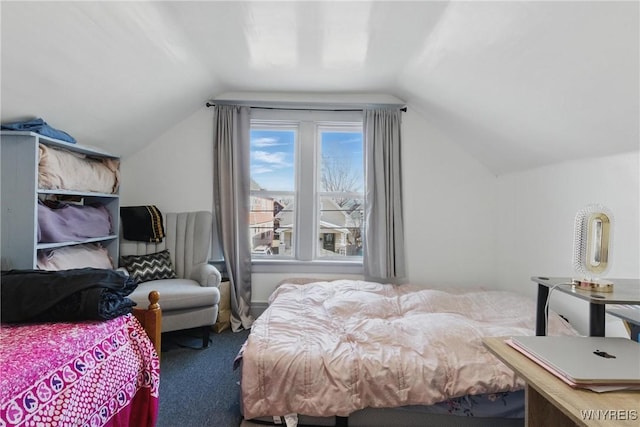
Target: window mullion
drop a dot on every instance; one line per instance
(306, 207)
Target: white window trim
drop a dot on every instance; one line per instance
(309, 123)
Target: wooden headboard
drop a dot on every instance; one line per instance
(151, 319)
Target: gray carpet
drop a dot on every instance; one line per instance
(198, 387)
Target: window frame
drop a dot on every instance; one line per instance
(307, 176)
(342, 127)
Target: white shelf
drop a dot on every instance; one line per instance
(75, 193)
(19, 155)
(75, 242)
(78, 148)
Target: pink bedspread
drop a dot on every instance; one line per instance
(331, 348)
(80, 374)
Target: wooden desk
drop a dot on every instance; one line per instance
(551, 402)
(625, 291)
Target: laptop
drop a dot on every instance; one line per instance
(584, 361)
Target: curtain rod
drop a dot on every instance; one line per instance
(209, 104)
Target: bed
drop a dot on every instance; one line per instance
(366, 354)
(82, 373)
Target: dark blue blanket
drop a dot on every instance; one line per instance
(39, 126)
(65, 295)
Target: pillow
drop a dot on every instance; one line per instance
(78, 256)
(144, 268)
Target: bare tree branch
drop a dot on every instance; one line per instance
(338, 176)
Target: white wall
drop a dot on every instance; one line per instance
(535, 224)
(174, 171)
(450, 198)
(450, 205)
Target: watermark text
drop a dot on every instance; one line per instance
(609, 414)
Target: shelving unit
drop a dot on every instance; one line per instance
(19, 194)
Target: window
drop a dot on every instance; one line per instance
(307, 185)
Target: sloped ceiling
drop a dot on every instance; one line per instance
(517, 84)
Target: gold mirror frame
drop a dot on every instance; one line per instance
(592, 241)
(597, 256)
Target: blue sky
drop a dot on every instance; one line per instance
(347, 148)
(273, 158)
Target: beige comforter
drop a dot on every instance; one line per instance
(331, 348)
(63, 169)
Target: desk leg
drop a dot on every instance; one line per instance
(596, 320)
(541, 314)
(539, 412)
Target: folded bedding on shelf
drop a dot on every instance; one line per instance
(77, 256)
(63, 169)
(66, 222)
(68, 295)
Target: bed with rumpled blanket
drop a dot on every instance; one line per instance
(348, 352)
(72, 354)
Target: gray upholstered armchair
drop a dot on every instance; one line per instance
(189, 300)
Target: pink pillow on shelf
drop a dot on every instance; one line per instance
(78, 256)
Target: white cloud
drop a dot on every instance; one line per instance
(261, 169)
(265, 142)
(277, 159)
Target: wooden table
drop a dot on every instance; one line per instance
(551, 402)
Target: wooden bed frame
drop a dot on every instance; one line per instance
(151, 319)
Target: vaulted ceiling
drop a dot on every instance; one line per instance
(518, 84)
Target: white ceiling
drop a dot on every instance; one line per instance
(517, 84)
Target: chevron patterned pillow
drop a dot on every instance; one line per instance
(144, 268)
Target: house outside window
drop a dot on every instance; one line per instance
(307, 186)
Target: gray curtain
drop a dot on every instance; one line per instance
(231, 205)
(384, 229)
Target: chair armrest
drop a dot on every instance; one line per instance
(207, 275)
